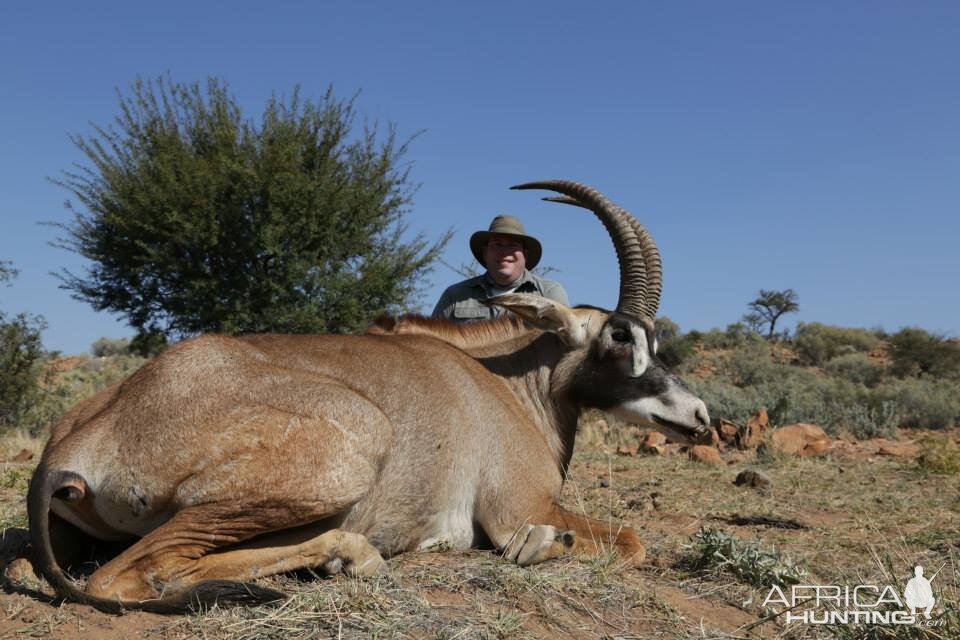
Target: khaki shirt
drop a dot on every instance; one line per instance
(461, 302)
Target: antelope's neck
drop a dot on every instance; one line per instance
(529, 366)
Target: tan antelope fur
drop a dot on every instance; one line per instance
(226, 459)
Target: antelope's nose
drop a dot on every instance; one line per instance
(701, 416)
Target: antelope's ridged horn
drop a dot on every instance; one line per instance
(637, 254)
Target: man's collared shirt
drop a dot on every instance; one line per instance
(461, 301)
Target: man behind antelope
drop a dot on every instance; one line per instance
(507, 253)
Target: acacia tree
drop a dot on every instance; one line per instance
(197, 219)
(769, 307)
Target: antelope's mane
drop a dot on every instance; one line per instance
(464, 336)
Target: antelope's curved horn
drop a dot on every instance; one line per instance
(641, 273)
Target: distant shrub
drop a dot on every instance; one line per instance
(917, 352)
(856, 367)
(726, 400)
(752, 364)
(672, 347)
(104, 347)
(924, 403)
(664, 329)
(21, 355)
(817, 343)
(938, 454)
(734, 336)
(148, 344)
(675, 351)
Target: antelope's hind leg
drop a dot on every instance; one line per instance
(183, 552)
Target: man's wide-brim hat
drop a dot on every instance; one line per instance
(506, 226)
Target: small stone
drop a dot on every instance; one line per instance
(604, 482)
(626, 451)
(753, 478)
(23, 456)
(705, 454)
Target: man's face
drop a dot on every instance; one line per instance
(505, 258)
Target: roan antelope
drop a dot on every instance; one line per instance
(226, 459)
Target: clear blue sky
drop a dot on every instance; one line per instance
(764, 144)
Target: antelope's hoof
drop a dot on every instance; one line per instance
(357, 558)
(533, 544)
(20, 572)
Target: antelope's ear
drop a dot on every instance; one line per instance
(545, 314)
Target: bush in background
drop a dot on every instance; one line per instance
(104, 347)
(817, 343)
(21, 357)
(856, 367)
(916, 352)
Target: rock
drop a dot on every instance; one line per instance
(604, 482)
(753, 478)
(705, 454)
(735, 457)
(801, 439)
(750, 435)
(654, 439)
(23, 456)
(653, 443)
(673, 447)
(727, 431)
(626, 451)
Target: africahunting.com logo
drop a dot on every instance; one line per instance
(859, 604)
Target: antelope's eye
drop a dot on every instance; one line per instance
(620, 335)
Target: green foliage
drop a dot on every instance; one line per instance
(856, 367)
(21, 354)
(817, 343)
(673, 349)
(939, 455)
(103, 347)
(665, 329)
(734, 336)
(917, 352)
(924, 402)
(768, 308)
(148, 344)
(716, 550)
(197, 219)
